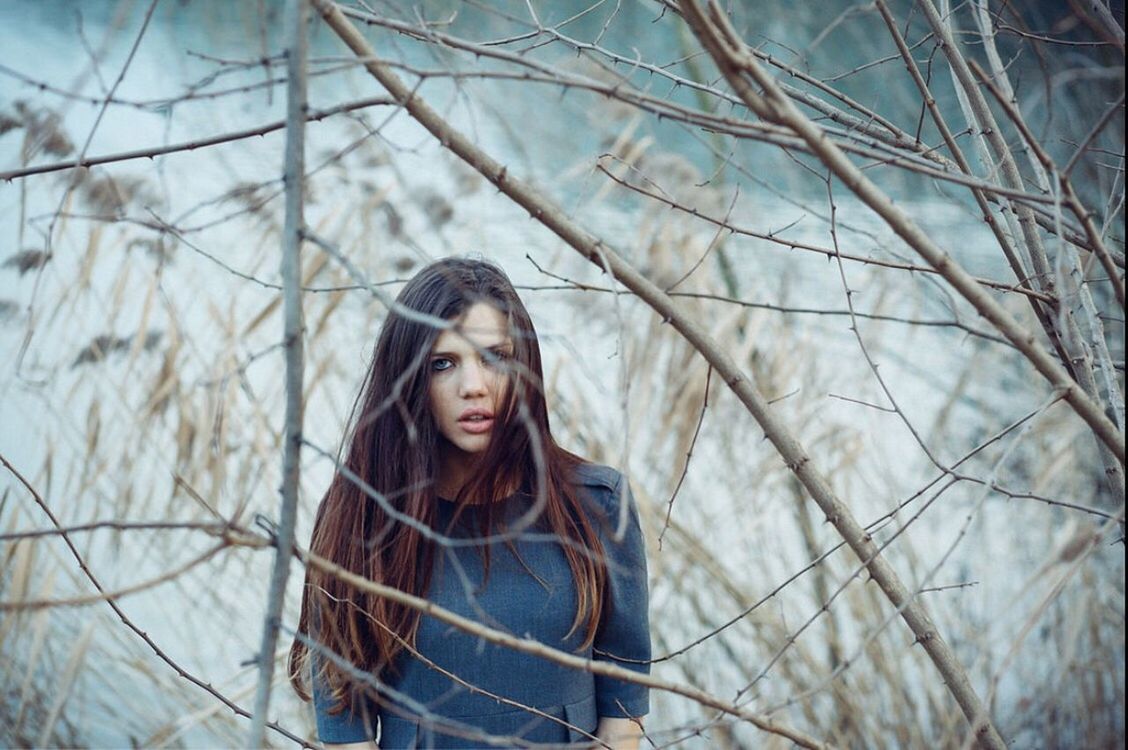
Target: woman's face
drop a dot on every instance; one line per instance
(469, 374)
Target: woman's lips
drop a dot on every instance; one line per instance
(476, 426)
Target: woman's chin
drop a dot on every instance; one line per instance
(469, 445)
(474, 445)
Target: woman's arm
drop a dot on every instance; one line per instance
(619, 734)
(623, 636)
(347, 728)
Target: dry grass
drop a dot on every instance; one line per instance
(179, 419)
(27, 260)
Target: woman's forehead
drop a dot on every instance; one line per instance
(482, 325)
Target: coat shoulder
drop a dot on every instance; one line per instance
(598, 476)
(603, 487)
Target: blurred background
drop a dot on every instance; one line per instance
(141, 365)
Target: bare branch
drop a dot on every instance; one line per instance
(297, 13)
(149, 153)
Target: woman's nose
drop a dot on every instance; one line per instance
(473, 380)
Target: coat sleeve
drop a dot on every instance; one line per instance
(356, 724)
(623, 637)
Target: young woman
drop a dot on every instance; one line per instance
(452, 488)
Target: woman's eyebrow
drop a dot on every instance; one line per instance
(506, 344)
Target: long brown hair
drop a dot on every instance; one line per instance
(394, 447)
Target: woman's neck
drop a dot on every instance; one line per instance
(455, 468)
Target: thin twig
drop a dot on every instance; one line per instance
(297, 12)
(149, 153)
(211, 528)
(688, 455)
(106, 596)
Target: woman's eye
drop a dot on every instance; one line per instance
(441, 364)
(494, 358)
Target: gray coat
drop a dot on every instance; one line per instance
(431, 709)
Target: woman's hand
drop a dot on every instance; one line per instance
(619, 734)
